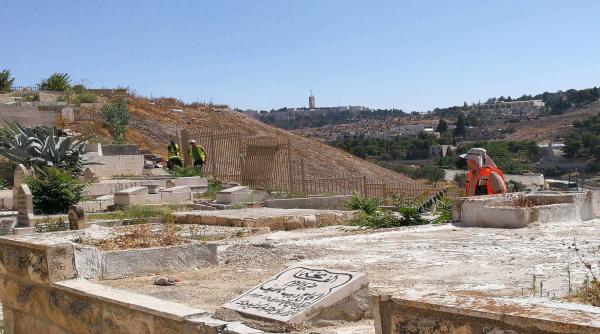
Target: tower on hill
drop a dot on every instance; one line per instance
(311, 101)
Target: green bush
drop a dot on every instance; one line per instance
(186, 171)
(214, 186)
(460, 179)
(86, 98)
(118, 116)
(367, 205)
(6, 81)
(51, 225)
(55, 190)
(59, 82)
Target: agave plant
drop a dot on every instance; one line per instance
(39, 147)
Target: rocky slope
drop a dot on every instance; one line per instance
(155, 122)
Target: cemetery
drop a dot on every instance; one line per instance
(157, 253)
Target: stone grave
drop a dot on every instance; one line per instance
(19, 178)
(298, 294)
(7, 226)
(24, 205)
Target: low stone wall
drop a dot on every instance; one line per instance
(320, 203)
(40, 294)
(424, 313)
(92, 263)
(106, 187)
(116, 165)
(120, 149)
(274, 219)
(516, 210)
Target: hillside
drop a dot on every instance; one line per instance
(154, 124)
(553, 128)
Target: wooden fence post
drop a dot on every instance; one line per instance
(364, 186)
(185, 147)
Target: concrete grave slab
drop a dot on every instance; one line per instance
(298, 294)
(131, 196)
(233, 194)
(515, 210)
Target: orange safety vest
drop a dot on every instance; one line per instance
(484, 172)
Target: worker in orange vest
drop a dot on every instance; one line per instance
(484, 178)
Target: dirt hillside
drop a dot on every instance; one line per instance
(155, 122)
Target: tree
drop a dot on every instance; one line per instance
(58, 82)
(461, 123)
(6, 82)
(118, 116)
(442, 126)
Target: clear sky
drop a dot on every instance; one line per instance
(414, 55)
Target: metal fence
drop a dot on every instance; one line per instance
(265, 163)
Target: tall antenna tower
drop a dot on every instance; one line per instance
(311, 101)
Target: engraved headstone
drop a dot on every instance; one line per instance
(296, 295)
(7, 226)
(76, 217)
(19, 176)
(24, 205)
(21, 172)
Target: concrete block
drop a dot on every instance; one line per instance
(123, 263)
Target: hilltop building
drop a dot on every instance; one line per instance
(504, 109)
(311, 101)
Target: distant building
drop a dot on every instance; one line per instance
(503, 109)
(311, 101)
(406, 130)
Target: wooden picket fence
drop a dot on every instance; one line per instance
(265, 163)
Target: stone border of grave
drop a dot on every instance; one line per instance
(40, 292)
(274, 219)
(517, 210)
(427, 312)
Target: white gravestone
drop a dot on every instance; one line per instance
(24, 205)
(19, 178)
(297, 294)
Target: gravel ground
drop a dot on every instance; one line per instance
(483, 261)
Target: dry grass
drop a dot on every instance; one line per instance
(141, 236)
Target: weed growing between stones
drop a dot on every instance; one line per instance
(186, 171)
(141, 236)
(138, 214)
(371, 214)
(51, 225)
(589, 291)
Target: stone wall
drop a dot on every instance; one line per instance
(120, 149)
(40, 293)
(424, 313)
(116, 165)
(27, 115)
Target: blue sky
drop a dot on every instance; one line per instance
(414, 55)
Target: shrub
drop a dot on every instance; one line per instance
(6, 81)
(186, 171)
(367, 205)
(118, 116)
(430, 172)
(86, 98)
(59, 82)
(214, 186)
(38, 146)
(51, 225)
(55, 190)
(460, 179)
